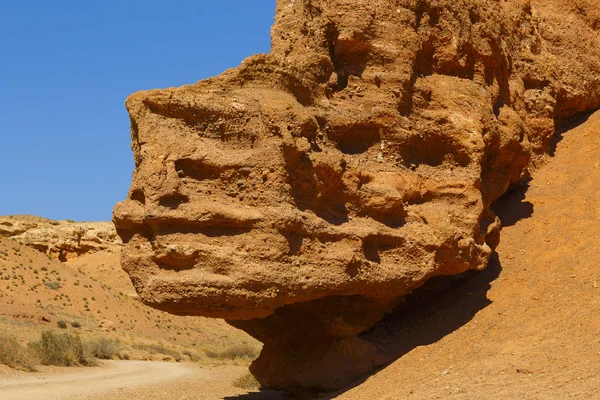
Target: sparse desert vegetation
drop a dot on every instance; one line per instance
(62, 349)
(69, 349)
(161, 349)
(235, 352)
(15, 355)
(105, 349)
(246, 382)
(73, 313)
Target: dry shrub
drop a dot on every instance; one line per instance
(193, 356)
(14, 355)
(61, 349)
(159, 349)
(105, 349)
(52, 285)
(246, 382)
(235, 352)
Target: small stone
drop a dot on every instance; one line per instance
(524, 371)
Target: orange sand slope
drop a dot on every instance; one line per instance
(528, 326)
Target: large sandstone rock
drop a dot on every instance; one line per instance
(63, 240)
(302, 194)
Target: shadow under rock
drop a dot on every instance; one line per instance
(565, 125)
(511, 207)
(438, 308)
(263, 395)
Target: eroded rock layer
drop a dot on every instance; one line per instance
(301, 194)
(62, 240)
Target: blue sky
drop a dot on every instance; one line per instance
(66, 68)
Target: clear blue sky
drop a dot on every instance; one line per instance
(66, 68)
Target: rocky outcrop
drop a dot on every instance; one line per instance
(62, 240)
(302, 194)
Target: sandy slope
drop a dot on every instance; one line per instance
(528, 326)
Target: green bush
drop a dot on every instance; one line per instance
(76, 324)
(62, 324)
(104, 348)
(61, 349)
(14, 355)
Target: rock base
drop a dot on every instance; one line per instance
(314, 346)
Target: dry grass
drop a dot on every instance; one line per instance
(246, 382)
(235, 352)
(57, 349)
(159, 349)
(192, 356)
(61, 349)
(13, 354)
(105, 349)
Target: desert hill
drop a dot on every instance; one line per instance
(92, 295)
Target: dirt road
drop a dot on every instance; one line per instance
(122, 379)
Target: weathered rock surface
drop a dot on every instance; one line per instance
(62, 240)
(300, 195)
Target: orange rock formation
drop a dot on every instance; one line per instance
(302, 194)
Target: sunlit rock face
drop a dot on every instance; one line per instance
(301, 194)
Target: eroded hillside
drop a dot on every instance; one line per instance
(93, 297)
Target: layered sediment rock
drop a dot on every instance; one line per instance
(62, 240)
(300, 195)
